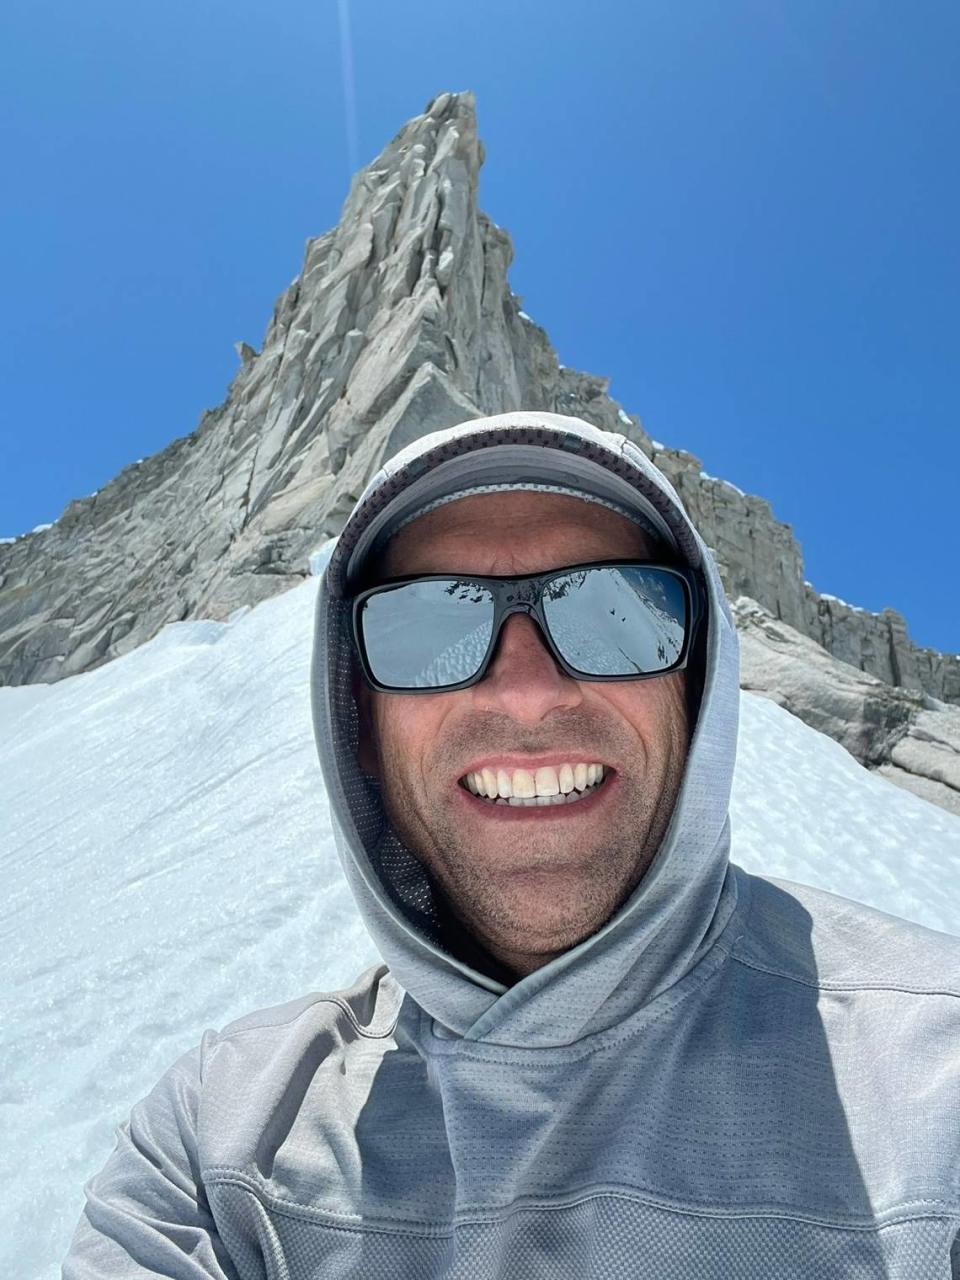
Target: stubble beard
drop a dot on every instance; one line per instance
(573, 880)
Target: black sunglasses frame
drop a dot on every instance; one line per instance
(524, 594)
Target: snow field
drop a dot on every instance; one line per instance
(168, 865)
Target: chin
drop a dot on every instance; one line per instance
(543, 927)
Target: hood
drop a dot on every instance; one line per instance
(687, 894)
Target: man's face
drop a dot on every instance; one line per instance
(527, 882)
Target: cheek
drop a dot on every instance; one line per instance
(655, 709)
(405, 730)
(674, 694)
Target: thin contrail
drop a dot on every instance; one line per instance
(349, 93)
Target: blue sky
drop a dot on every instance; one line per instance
(744, 213)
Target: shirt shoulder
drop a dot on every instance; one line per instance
(367, 1008)
(828, 941)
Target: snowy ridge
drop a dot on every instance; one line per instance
(169, 866)
(716, 480)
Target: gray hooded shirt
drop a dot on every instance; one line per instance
(735, 1077)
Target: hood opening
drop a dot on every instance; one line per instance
(665, 924)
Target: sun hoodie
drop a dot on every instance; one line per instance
(734, 1078)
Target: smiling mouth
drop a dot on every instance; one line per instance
(572, 795)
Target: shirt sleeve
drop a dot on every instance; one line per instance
(146, 1212)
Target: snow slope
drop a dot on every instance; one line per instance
(168, 865)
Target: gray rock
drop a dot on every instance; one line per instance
(904, 735)
(401, 321)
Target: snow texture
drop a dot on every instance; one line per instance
(705, 476)
(318, 559)
(824, 595)
(168, 865)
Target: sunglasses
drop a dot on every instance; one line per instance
(612, 620)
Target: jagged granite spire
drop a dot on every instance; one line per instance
(400, 322)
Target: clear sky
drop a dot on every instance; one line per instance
(744, 212)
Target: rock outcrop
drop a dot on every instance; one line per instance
(400, 322)
(759, 557)
(909, 737)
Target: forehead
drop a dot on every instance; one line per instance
(513, 532)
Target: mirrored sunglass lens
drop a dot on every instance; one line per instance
(617, 621)
(423, 635)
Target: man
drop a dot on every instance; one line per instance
(597, 1048)
(526, 882)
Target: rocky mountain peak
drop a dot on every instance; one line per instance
(400, 322)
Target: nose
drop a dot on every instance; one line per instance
(523, 680)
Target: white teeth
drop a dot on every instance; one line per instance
(523, 784)
(529, 801)
(547, 784)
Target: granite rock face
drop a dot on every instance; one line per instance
(400, 322)
(759, 557)
(905, 735)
